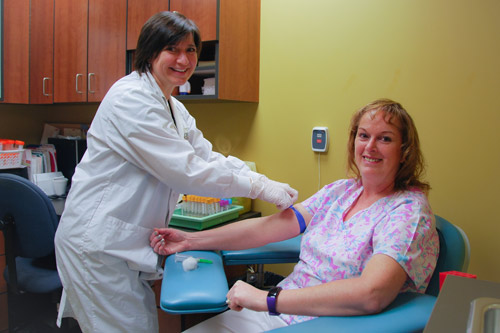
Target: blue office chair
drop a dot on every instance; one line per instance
(408, 313)
(28, 222)
(454, 252)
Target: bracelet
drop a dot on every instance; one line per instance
(272, 300)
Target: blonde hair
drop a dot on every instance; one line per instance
(412, 166)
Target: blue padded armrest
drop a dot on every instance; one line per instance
(198, 291)
(408, 313)
(286, 251)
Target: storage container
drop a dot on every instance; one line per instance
(10, 159)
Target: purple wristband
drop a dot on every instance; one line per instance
(272, 300)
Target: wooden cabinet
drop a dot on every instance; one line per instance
(202, 12)
(89, 48)
(28, 51)
(41, 52)
(138, 14)
(232, 60)
(239, 50)
(107, 46)
(230, 57)
(59, 51)
(47, 44)
(16, 51)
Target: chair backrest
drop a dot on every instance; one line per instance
(454, 252)
(34, 216)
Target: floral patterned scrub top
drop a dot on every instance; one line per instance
(401, 226)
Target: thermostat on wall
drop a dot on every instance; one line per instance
(320, 139)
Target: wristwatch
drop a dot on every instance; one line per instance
(272, 300)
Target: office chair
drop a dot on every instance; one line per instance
(28, 222)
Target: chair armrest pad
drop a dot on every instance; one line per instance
(198, 291)
(408, 313)
(287, 251)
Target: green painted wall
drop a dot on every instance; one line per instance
(323, 59)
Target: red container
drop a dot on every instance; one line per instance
(443, 275)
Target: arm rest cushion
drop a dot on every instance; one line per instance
(198, 291)
(286, 251)
(408, 313)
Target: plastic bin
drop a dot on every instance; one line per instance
(10, 159)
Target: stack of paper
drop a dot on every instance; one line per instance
(40, 159)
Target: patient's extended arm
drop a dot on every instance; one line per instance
(235, 236)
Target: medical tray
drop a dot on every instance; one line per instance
(204, 222)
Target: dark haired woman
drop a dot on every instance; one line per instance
(143, 151)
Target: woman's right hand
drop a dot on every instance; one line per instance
(166, 241)
(280, 194)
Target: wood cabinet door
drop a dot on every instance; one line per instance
(42, 52)
(239, 50)
(107, 46)
(138, 14)
(16, 51)
(202, 12)
(70, 51)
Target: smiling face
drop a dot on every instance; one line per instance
(175, 64)
(377, 150)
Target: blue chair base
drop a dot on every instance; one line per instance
(408, 313)
(201, 290)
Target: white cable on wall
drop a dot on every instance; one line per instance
(319, 171)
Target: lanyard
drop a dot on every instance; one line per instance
(171, 112)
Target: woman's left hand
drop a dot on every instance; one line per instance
(243, 295)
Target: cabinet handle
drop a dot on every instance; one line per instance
(90, 90)
(78, 91)
(45, 79)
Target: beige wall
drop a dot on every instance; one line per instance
(322, 59)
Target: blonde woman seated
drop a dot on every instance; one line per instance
(366, 239)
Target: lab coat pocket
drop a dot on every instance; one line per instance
(130, 242)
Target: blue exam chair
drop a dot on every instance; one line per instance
(408, 313)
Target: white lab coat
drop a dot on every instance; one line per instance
(128, 182)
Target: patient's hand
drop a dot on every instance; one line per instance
(166, 241)
(243, 295)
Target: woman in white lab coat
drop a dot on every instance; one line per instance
(143, 150)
